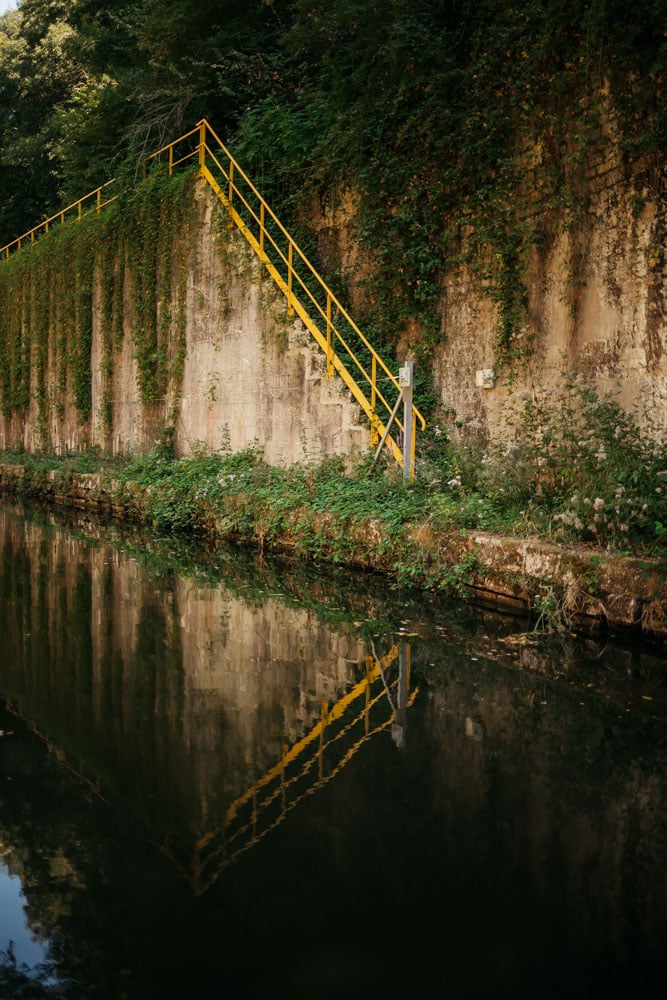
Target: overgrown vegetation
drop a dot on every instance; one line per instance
(467, 131)
(571, 465)
(137, 254)
(581, 471)
(48, 307)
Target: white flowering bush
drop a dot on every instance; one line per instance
(585, 463)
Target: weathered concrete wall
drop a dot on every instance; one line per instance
(597, 306)
(252, 375)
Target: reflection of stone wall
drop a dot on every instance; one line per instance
(188, 691)
(267, 667)
(237, 682)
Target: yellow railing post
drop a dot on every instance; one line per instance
(324, 711)
(202, 150)
(283, 797)
(290, 262)
(261, 232)
(330, 370)
(370, 663)
(375, 430)
(99, 200)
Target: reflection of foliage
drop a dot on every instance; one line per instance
(20, 982)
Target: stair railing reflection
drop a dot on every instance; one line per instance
(80, 771)
(306, 766)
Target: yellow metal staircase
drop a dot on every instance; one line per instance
(348, 353)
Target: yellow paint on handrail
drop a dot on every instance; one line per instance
(60, 217)
(315, 733)
(300, 253)
(338, 352)
(287, 265)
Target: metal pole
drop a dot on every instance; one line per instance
(375, 434)
(406, 381)
(399, 726)
(231, 189)
(290, 255)
(330, 370)
(324, 712)
(202, 150)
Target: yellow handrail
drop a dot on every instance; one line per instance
(339, 353)
(59, 218)
(307, 294)
(347, 350)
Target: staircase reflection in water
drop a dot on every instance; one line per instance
(205, 713)
(373, 705)
(185, 723)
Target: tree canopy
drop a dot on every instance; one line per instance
(435, 112)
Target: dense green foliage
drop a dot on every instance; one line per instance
(464, 128)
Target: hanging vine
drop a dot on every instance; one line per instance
(124, 273)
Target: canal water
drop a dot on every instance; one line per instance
(221, 775)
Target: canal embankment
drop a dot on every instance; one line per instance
(563, 586)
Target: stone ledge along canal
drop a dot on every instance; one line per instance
(226, 775)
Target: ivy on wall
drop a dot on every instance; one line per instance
(468, 131)
(126, 271)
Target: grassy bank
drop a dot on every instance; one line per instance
(442, 533)
(570, 467)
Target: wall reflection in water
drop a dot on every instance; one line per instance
(209, 784)
(211, 715)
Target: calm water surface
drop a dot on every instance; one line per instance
(230, 776)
